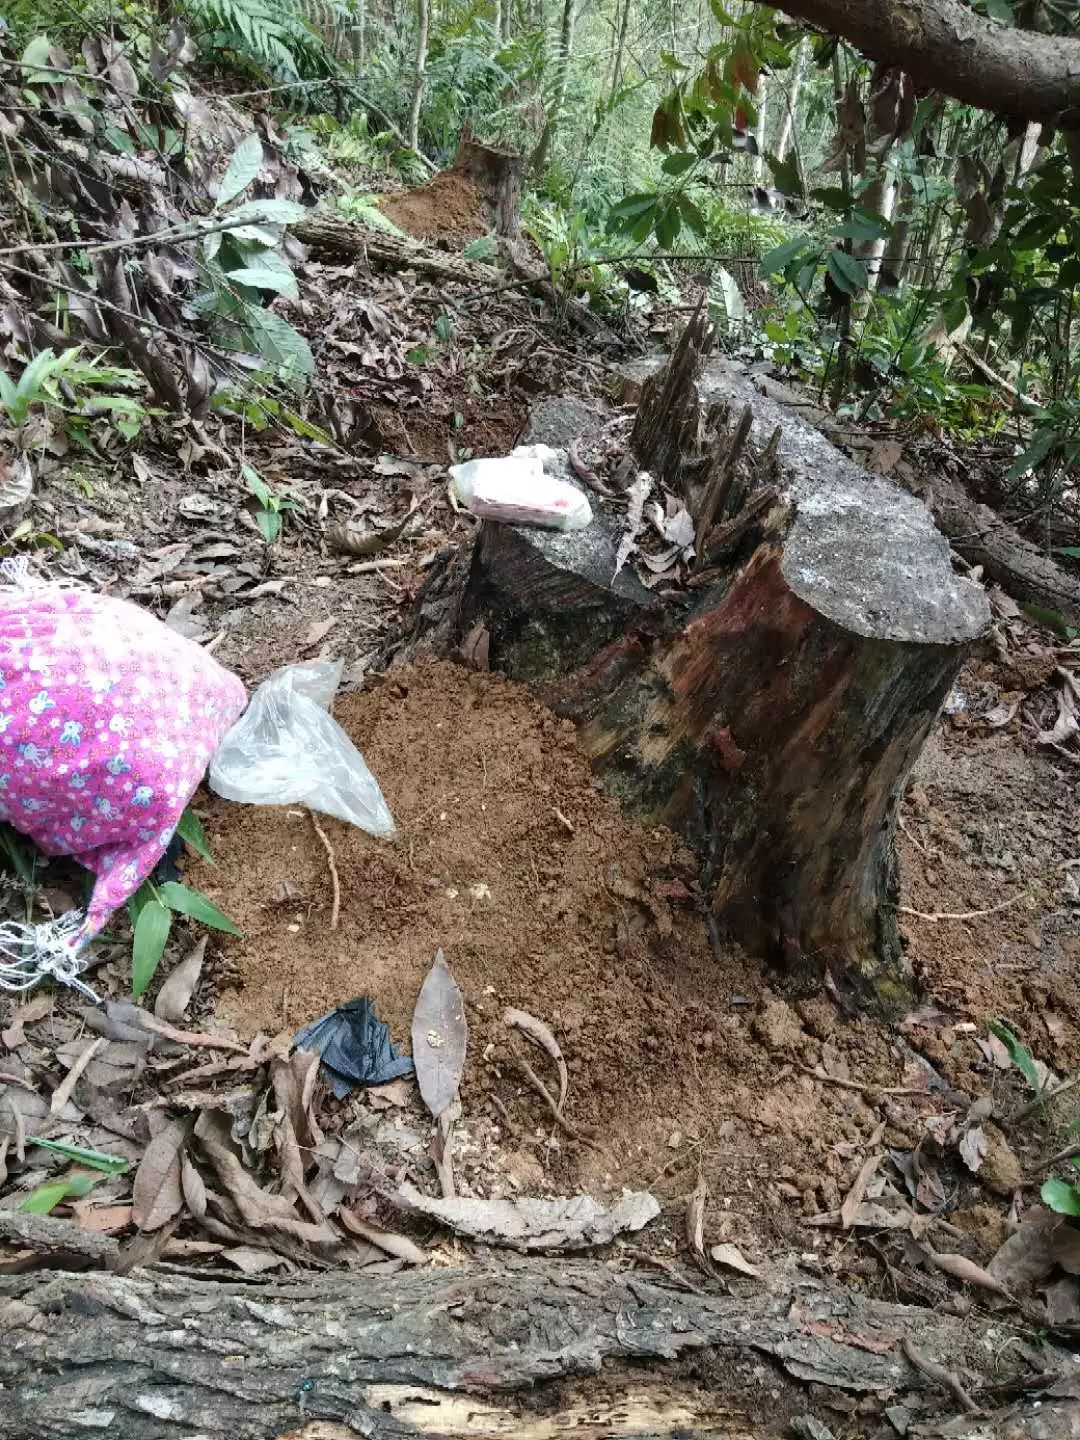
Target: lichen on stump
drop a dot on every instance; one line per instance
(772, 714)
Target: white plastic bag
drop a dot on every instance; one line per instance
(286, 749)
(519, 489)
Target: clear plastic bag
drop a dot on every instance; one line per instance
(522, 488)
(287, 749)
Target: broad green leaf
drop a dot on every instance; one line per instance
(45, 1198)
(734, 308)
(847, 274)
(190, 830)
(1061, 1197)
(680, 163)
(194, 904)
(1000, 10)
(151, 933)
(269, 523)
(1019, 1054)
(444, 328)
(276, 340)
(271, 212)
(256, 484)
(241, 170)
(780, 258)
(668, 225)
(1073, 551)
(482, 248)
(36, 55)
(262, 277)
(1041, 445)
(95, 1159)
(634, 207)
(693, 219)
(786, 175)
(1052, 619)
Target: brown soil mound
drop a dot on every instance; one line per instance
(448, 207)
(541, 892)
(545, 896)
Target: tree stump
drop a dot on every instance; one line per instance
(497, 176)
(772, 711)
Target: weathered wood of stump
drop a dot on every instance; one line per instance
(774, 713)
(497, 176)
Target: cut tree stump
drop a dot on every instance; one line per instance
(153, 1354)
(773, 712)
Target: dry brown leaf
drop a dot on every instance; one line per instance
(854, 1198)
(570, 1223)
(540, 1035)
(394, 1094)
(194, 1191)
(259, 1208)
(175, 995)
(156, 1193)
(695, 1218)
(251, 1261)
(34, 1009)
(972, 1147)
(732, 1258)
(14, 1104)
(106, 1219)
(440, 1035)
(1027, 1256)
(400, 1246)
(353, 542)
(965, 1270)
(1067, 1247)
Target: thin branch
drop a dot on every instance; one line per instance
(335, 908)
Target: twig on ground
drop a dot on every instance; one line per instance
(1044, 1097)
(332, 866)
(816, 1073)
(947, 1379)
(935, 915)
(549, 1099)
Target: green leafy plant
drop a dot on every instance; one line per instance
(271, 37)
(1019, 1054)
(153, 906)
(44, 1200)
(82, 389)
(270, 504)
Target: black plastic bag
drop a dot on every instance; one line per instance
(355, 1047)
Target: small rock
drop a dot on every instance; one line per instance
(1000, 1170)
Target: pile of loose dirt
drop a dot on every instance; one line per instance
(544, 895)
(449, 207)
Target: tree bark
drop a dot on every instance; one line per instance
(772, 715)
(791, 104)
(154, 1354)
(943, 45)
(540, 156)
(423, 22)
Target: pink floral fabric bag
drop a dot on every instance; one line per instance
(108, 721)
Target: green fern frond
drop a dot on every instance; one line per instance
(272, 36)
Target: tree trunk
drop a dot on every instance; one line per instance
(553, 111)
(773, 713)
(791, 104)
(893, 271)
(760, 134)
(879, 199)
(423, 22)
(154, 1354)
(620, 49)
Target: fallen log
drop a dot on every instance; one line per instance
(150, 1355)
(773, 713)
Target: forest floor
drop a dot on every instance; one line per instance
(796, 1133)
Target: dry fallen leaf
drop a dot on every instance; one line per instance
(572, 1223)
(355, 542)
(156, 1192)
(394, 1095)
(854, 1198)
(695, 1218)
(732, 1257)
(400, 1246)
(250, 1261)
(34, 1009)
(439, 1037)
(175, 995)
(540, 1035)
(973, 1147)
(194, 1191)
(1028, 1256)
(965, 1270)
